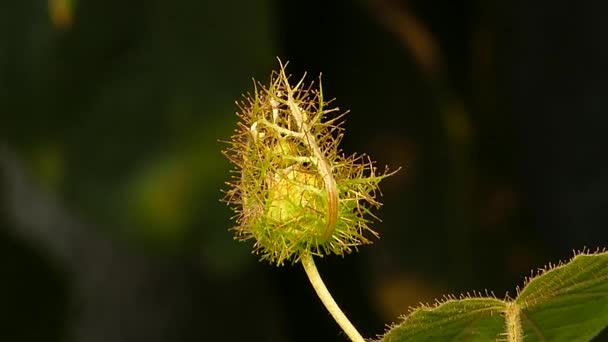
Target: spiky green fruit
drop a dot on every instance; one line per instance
(294, 191)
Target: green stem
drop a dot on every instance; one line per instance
(513, 323)
(327, 299)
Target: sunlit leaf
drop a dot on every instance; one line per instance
(565, 303)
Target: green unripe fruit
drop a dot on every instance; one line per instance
(295, 191)
(291, 195)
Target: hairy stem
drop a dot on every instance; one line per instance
(327, 299)
(513, 323)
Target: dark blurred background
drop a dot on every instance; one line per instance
(111, 112)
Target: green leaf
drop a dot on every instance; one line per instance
(468, 319)
(568, 303)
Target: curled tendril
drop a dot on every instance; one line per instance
(294, 190)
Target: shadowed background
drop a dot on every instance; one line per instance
(110, 164)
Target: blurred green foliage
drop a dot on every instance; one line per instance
(118, 108)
